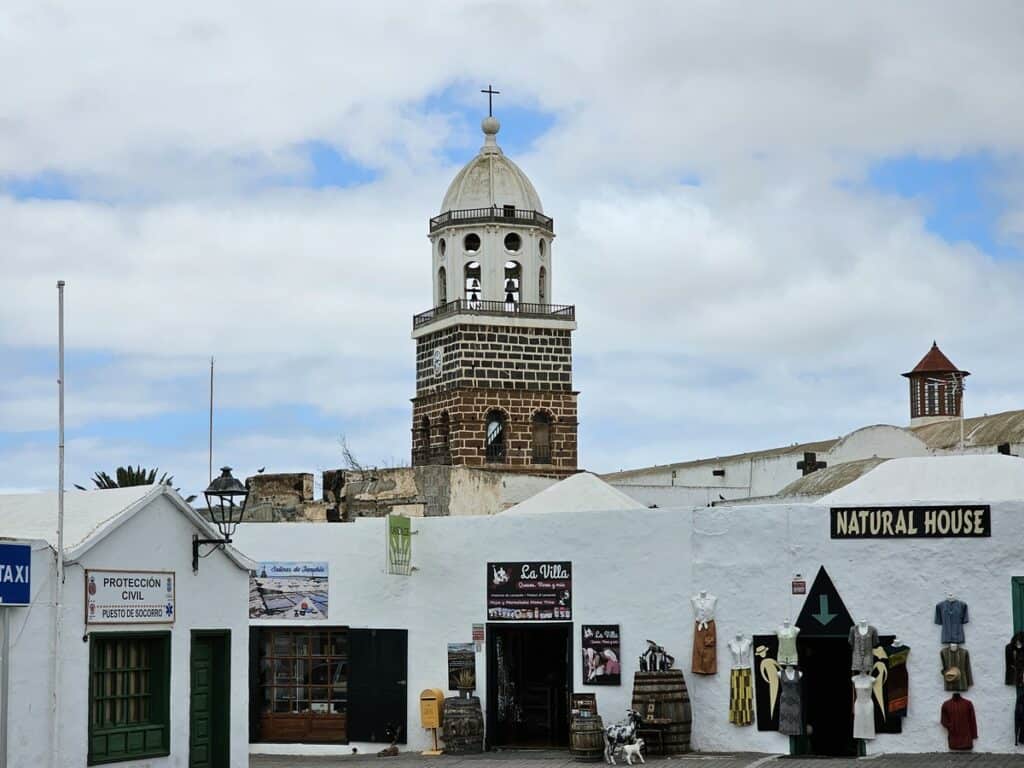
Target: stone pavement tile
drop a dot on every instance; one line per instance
(531, 759)
(505, 759)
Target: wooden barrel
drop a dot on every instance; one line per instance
(463, 726)
(672, 714)
(586, 739)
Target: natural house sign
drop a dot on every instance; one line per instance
(963, 521)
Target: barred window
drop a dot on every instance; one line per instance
(129, 693)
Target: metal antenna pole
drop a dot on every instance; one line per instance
(58, 605)
(210, 467)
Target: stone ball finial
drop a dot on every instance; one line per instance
(490, 125)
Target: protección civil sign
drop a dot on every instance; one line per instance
(129, 597)
(15, 574)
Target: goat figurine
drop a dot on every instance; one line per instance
(620, 734)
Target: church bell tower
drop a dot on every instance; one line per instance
(494, 354)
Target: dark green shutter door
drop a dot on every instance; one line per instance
(1017, 593)
(201, 705)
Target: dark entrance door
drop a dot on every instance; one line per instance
(209, 700)
(377, 690)
(828, 696)
(824, 650)
(529, 674)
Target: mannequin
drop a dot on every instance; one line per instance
(956, 667)
(705, 636)
(786, 634)
(951, 615)
(863, 639)
(790, 708)
(897, 683)
(741, 684)
(959, 722)
(863, 708)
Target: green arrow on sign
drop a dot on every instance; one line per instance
(823, 616)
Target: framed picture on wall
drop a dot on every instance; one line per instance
(601, 654)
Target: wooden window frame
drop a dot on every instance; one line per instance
(306, 726)
(119, 740)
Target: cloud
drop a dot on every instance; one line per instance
(739, 281)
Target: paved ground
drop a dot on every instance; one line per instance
(531, 759)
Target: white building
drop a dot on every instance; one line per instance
(936, 428)
(151, 665)
(638, 569)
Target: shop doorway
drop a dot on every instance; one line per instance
(209, 700)
(378, 697)
(529, 676)
(828, 697)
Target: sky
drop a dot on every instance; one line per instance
(764, 214)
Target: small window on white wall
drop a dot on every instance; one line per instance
(542, 286)
(442, 287)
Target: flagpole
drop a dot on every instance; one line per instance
(210, 466)
(58, 606)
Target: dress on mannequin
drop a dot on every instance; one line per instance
(791, 721)
(705, 636)
(863, 708)
(897, 683)
(741, 683)
(863, 639)
(787, 643)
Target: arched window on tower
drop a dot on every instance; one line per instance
(444, 433)
(541, 438)
(423, 441)
(442, 287)
(495, 439)
(513, 276)
(472, 284)
(542, 286)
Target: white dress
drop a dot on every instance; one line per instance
(863, 708)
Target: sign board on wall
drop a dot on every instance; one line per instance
(959, 521)
(288, 590)
(601, 654)
(461, 667)
(129, 597)
(529, 591)
(399, 545)
(15, 574)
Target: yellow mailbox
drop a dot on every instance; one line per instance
(431, 702)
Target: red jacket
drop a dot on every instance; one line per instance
(958, 720)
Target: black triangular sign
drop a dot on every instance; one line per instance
(824, 612)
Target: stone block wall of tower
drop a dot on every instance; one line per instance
(498, 356)
(467, 410)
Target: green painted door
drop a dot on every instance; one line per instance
(1017, 596)
(209, 724)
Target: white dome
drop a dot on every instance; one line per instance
(491, 179)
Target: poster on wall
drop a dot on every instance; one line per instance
(461, 667)
(288, 590)
(129, 597)
(601, 654)
(529, 591)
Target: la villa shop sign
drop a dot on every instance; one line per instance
(957, 521)
(129, 597)
(537, 591)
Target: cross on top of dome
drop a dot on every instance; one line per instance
(491, 93)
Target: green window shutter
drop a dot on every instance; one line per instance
(129, 696)
(1017, 596)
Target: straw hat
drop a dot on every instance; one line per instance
(951, 675)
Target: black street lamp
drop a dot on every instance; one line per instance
(225, 498)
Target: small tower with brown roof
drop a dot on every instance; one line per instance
(936, 388)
